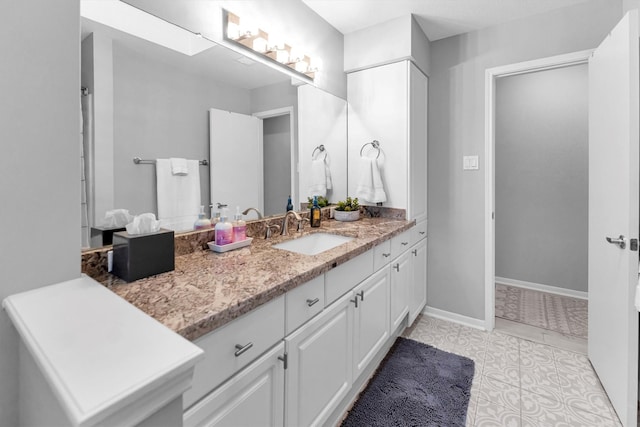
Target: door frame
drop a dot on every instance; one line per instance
(293, 148)
(491, 76)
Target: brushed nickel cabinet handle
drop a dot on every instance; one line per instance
(404, 243)
(414, 252)
(361, 295)
(242, 348)
(386, 255)
(311, 302)
(355, 301)
(397, 267)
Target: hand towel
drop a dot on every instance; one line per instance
(370, 187)
(178, 195)
(327, 172)
(179, 166)
(318, 185)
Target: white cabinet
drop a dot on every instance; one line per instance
(371, 319)
(253, 397)
(418, 288)
(401, 274)
(389, 104)
(320, 357)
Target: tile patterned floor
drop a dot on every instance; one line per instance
(521, 383)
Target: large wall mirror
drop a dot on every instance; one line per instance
(146, 100)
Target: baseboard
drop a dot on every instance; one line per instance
(543, 288)
(454, 317)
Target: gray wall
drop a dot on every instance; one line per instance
(456, 128)
(40, 162)
(161, 111)
(277, 163)
(542, 146)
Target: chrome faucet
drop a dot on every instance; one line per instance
(246, 211)
(285, 227)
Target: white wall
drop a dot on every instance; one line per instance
(542, 156)
(40, 162)
(395, 40)
(295, 21)
(456, 128)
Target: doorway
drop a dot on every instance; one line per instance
(494, 78)
(541, 197)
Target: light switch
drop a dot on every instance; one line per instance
(470, 163)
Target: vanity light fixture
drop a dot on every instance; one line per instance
(272, 50)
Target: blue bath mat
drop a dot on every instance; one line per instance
(416, 385)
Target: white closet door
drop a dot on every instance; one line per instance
(236, 160)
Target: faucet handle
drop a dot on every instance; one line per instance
(269, 229)
(301, 223)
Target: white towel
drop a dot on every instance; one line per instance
(179, 166)
(320, 180)
(370, 186)
(178, 195)
(327, 172)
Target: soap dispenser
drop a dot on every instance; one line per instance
(202, 222)
(223, 230)
(316, 213)
(239, 227)
(289, 204)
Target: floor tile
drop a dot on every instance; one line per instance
(489, 414)
(520, 382)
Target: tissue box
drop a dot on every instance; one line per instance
(102, 236)
(138, 256)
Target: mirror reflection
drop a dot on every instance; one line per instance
(152, 102)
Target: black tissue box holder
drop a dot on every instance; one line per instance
(138, 256)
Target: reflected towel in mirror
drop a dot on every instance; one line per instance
(178, 195)
(320, 178)
(370, 187)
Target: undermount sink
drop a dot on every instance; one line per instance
(313, 244)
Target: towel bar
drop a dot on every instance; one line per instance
(375, 144)
(138, 160)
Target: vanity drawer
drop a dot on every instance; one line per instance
(400, 243)
(343, 278)
(256, 331)
(304, 302)
(419, 232)
(381, 255)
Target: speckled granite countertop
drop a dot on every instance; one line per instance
(207, 289)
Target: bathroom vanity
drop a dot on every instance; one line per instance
(289, 339)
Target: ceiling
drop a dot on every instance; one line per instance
(438, 18)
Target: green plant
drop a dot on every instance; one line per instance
(322, 201)
(348, 205)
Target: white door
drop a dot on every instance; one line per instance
(613, 211)
(236, 160)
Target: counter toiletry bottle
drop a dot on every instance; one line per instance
(215, 216)
(316, 213)
(223, 230)
(239, 227)
(289, 205)
(202, 222)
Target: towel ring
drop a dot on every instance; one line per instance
(321, 149)
(375, 144)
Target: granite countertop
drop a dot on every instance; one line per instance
(208, 289)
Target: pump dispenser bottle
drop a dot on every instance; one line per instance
(289, 204)
(316, 213)
(223, 230)
(239, 227)
(202, 222)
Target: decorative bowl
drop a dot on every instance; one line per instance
(346, 215)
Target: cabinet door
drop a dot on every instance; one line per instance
(371, 319)
(417, 145)
(319, 373)
(253, 397)
(418, 293)
(401, 273)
